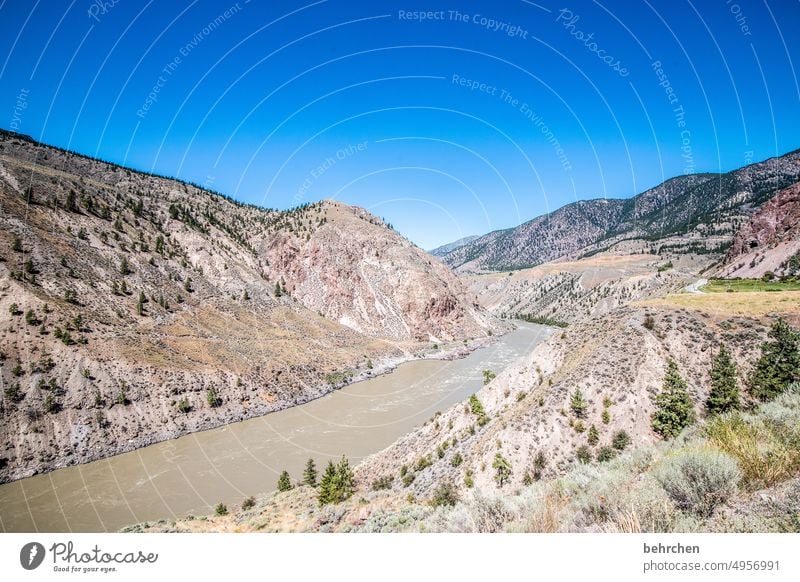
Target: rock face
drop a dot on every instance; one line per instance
(770, 240)
(777, 221)
(356, 270)
(701, 210)
(135, 308)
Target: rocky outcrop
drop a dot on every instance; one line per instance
(769, 242)
(777, 221)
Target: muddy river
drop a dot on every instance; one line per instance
(190, 475)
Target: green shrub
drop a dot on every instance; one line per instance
(213, 398)
(583, 454)
(578, 404)
(605, 454)
(475, 406)
(248, 503)
(456, 460)
(620, 440)
(502, 469)
(469, 482)
(221, 509)
(445, 495)
(423, 463)
(699, 480)
(381, 483)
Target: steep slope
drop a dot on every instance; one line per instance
(545, 238)
(355, 270)
(770, 241)
(135, 308)
(444, 249)
(696, 213)
(574, 291)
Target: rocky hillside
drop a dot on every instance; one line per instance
(134, 308)
(617, 361)
(769, 242)
(578, 290)
(701, 212)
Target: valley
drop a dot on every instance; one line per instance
(190, 475)
(167, 351)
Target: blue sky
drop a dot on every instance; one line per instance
(481, 115)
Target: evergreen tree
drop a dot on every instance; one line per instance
(502, 469)
(674, 409)
(213, 398)
(284, 482)
(345, 481)
(310, 474)
(578, 404)
(140, 303)
(326, 484)
(779, 364)
(593, 437)
(724, 395)
(338, 483)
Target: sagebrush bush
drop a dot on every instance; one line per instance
(489, 514)
(698, 480)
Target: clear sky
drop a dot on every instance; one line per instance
(470, 117)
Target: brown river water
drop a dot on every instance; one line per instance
(191, 474)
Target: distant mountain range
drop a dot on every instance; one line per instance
(444, 249)
(709, 206)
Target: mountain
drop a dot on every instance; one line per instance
(697, 213)
(444, 249)
(769, 242)
(136, 308)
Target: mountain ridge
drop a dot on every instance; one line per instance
(712, 204)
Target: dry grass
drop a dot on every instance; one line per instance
(738, 304)
(764, 453)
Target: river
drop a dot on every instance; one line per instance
(191, 474)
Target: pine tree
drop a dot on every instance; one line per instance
(674, 409)
(578, 404)
(779, 364)
(593, 437)
(310, 474)
(140, 303)
(502, 469)
(724, 395)
(326, 484)
(284, 482)
(345, 483)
